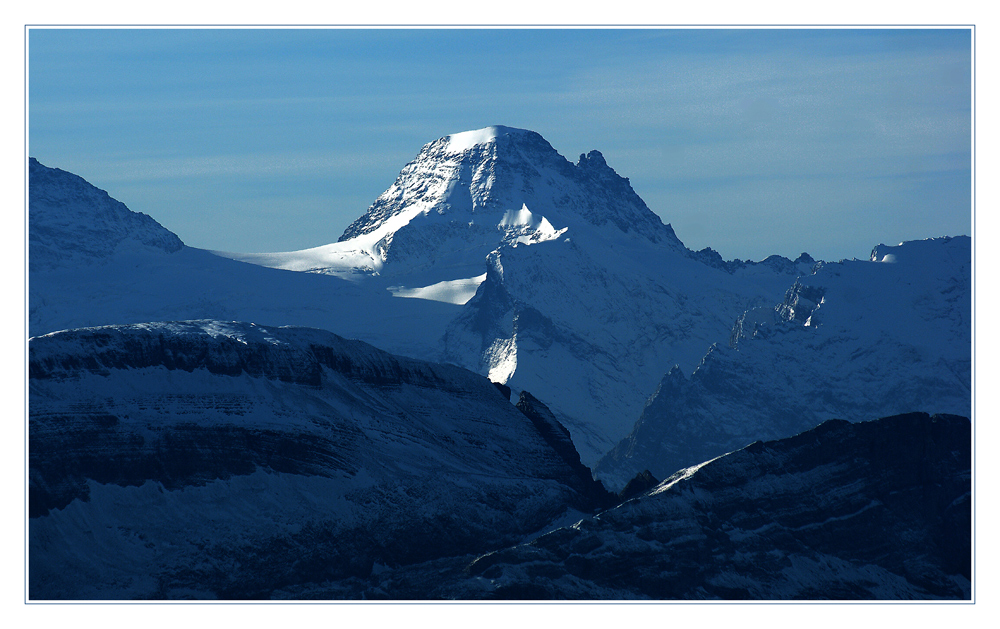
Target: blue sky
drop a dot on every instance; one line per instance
(752, 142)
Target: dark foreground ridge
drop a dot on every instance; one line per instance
(210, 459)
(877, 510)
(873, 510)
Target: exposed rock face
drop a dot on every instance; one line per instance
(855, 340)
(776, 263)
(556, 435)
(214, 459)
(503, 389)
(640, 484)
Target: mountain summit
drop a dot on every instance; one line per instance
(463, 196)
(487, 173)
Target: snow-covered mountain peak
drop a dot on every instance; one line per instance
(467, 194)
(461, 187)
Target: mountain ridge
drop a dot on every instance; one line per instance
(855, 340)
(97, 226)
(550, 252)
(892, 521)
(282, 455)
(459, 199)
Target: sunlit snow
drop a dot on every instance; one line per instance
(343, 259)
(538, 227)
(522, 218)
(464, 141)
(456, 292)
(679, 476)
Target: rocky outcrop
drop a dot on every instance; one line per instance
(556, 435)
(779, 264)
(640, 484)
(503, 389)
(287, 354)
